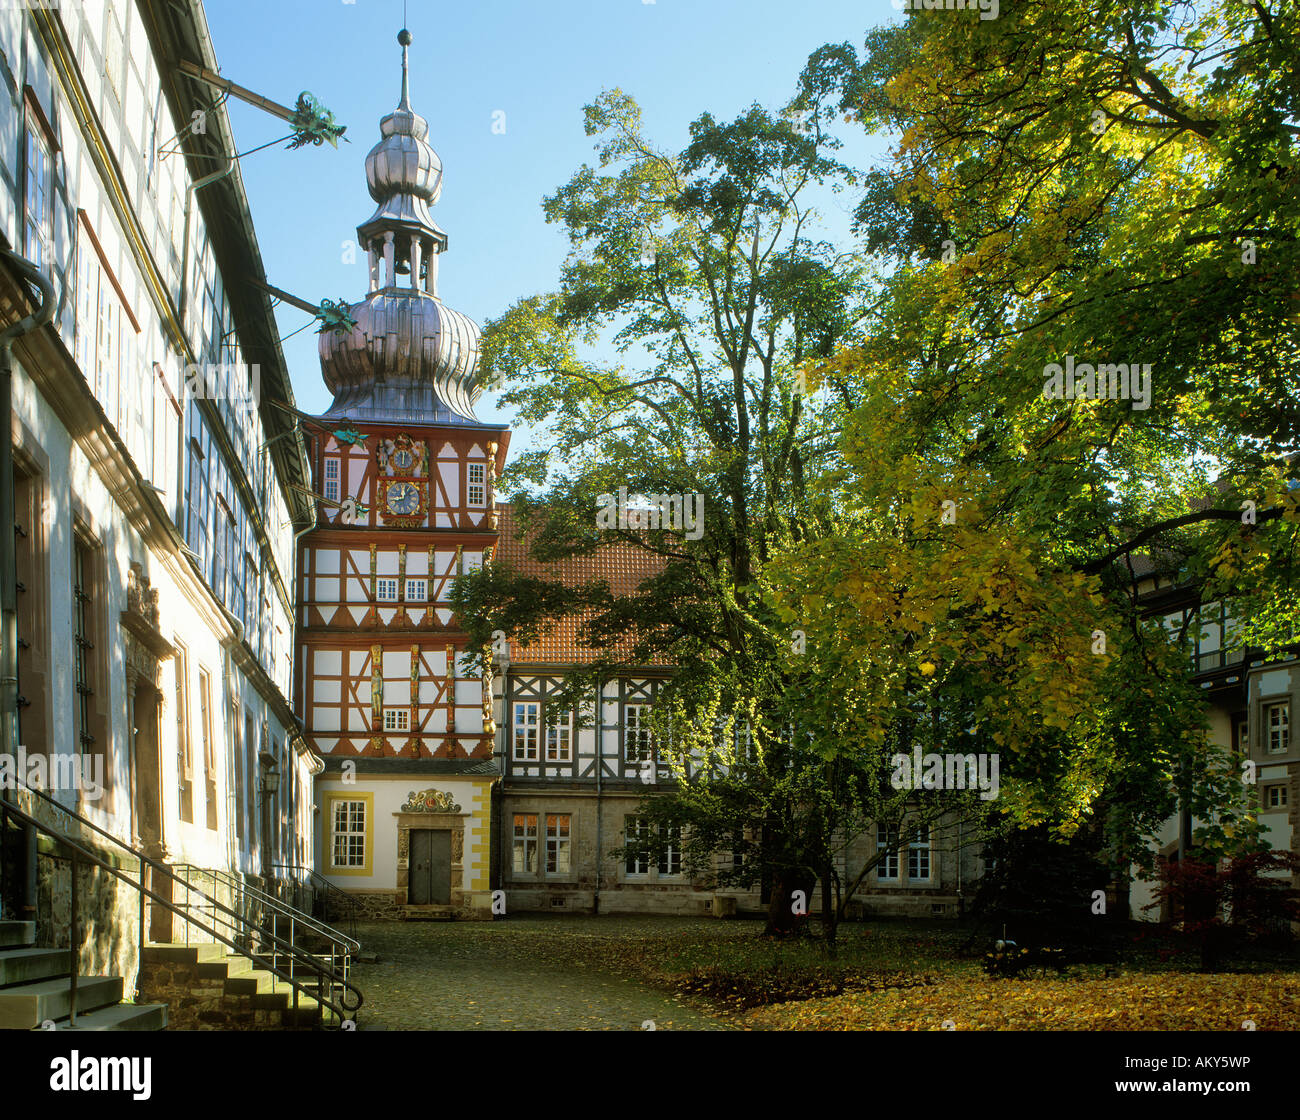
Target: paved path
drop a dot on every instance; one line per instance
(523, 973)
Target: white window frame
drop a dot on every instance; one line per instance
(397, 719)
(332, 478)
(887, 870)
(638, 738)
(559, 739)
(524, 843)
(476, 485)
(636, 867)
(417, 590)
(559, 841)
(354, 857)
(385, 589)
(525, 736)
(918, 855)
(38, 211)
(1277, 724)
(670, 862)
(1280, 792)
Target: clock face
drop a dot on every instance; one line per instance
(402, 459)
(402, 498)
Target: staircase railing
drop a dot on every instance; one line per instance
(284, 921)
(289, 963)
(330, 895)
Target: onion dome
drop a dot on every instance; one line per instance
(410, 357)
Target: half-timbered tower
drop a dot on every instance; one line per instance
(404, 475)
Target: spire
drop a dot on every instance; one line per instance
(410, 357)
(404, 37)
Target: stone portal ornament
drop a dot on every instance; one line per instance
(429, 801)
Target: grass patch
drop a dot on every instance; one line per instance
(738, 969)
(1139, 1002)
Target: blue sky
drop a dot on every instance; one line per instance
(539, 62)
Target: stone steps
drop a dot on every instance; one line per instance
(34, 990)
(16, 933)
(207, 988)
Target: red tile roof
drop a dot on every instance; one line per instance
(621, 565)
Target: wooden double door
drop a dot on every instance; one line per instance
(429, 883)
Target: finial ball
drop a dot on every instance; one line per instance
(404, 37)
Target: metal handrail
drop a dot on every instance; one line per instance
(332, 892)
(249, 899)
(271, 902)
(325, 975)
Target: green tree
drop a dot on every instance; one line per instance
(704, 266)
(1093, 181)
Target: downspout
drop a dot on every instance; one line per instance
(595, 898)
(9, 557)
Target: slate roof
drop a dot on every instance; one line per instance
(430, 767)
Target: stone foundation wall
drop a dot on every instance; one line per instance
(197, 1003)
(108, 939)
(376, 905)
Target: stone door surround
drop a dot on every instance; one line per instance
(434, 810)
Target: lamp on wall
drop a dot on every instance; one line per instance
(270, 772)
(270, 786)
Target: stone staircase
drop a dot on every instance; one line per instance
(34, 990)
(206, 987)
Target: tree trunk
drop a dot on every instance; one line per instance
(830, 912)
(782, 921)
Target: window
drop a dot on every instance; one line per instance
(525, 843)
(887, 845)
(641, 831)
(990, 863)
(557, 843)
(525, 738)
(332, 480)
(33, 626)
(38, 203)
(918, 854)
(386, 590)
(1275, 797)
(209, 758)
(238, 581)
(559, 739)
(417, 590)
(1277, 718)
(397, 719)
(184, 761)
(84, 654)
(348, 834)
(199, 504)
(638, 832)
(1243, 737)
(670, 859)
(477, 487)
(638, 740)
(237, 750)
(225, 532)
(743, 741)
(250, 767)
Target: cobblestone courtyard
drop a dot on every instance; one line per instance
(528, 972)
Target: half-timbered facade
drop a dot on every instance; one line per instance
(404, 476)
